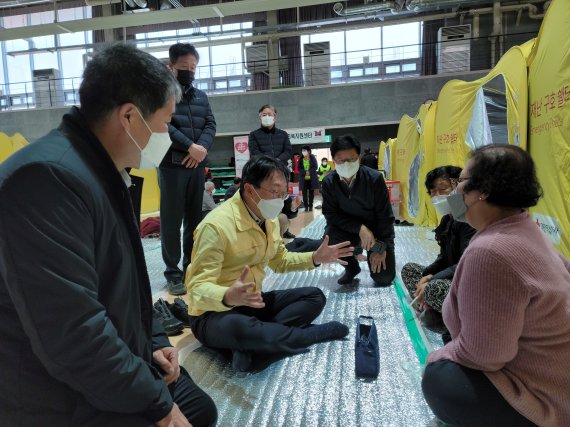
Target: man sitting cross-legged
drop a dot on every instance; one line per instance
(233, 245)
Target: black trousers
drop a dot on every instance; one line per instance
(181, 192)
(194, 403)
(384, 277)
(280, 327)
(460, 396)
(308, 194)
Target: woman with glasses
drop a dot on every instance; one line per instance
(508, 309)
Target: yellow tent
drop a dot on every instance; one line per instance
(385, 158)
(427, 215)
(150, 204)
(462, 122)
(406, 164)
(549, 120)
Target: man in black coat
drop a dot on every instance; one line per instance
(357, 207)
(268, 139)
(181, 173)
(79, 344)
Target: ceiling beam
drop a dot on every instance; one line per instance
(156, 17)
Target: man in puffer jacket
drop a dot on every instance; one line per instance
(181, 173)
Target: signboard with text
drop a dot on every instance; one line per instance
(304, 136)
(241, 152)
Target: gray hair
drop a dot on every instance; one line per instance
(120, 74)
(208, 185)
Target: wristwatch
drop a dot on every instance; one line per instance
(378, 247)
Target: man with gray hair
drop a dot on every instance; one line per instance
(208, 202)
(79, 342)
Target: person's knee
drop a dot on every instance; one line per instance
(317, 296)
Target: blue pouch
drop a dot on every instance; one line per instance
(366, 351)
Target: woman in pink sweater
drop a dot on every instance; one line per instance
(508, 310)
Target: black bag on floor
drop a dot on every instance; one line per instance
(366, 351)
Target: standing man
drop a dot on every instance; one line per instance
(79, 345)
(181, 173)
(234, 245)
(273, 142)
(357, 207)
(268, 139)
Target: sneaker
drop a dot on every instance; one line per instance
(179, 309)
(348, 277)
(288, 235)
(175, 287)
(161, 312)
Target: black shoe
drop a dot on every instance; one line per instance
(179, 309)
(348, 277)
(319, 207)
(175, 287)
(432, 320)
(161, 312)
(310, 208)
(288, 235)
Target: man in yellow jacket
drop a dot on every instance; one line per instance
(233, 245)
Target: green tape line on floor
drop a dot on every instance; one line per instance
(413, 329)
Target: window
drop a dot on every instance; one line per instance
(401, 41)
(363, 43)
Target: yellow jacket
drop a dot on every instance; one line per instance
(225, 242)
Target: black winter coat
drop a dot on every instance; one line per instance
(75, 298)
(192, 122)
(271, 142)
(453, 238)
(366, 202)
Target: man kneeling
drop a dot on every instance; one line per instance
(233, 245)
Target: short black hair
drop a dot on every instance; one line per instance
(306, 147)
(271, 107)
(259, 168)
(345, 142)
(506, 174)
(182, 49)
(120, 74)
(444, 172)
(237, 180)
(324, 158)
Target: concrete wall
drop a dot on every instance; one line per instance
(369, 110)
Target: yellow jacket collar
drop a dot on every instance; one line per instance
(242, 218)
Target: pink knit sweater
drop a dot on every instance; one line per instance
(508, 312)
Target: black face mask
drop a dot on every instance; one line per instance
(185, 77)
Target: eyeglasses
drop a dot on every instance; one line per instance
(460, 180)
(277, 194)
(342, 162)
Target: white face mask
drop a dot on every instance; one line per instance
(267, 120)
(347, 169)
(304, 152)
(440, 204)
(269, 208)
(154, 151)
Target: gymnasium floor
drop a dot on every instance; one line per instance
(319, 388)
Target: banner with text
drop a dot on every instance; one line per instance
(241, 152)
(306, 136)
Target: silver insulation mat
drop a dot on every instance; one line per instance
(319, 388)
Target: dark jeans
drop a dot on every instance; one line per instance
(460, 396)
(279, 327)
(181, 192)
(193, 402)
(308, 194)
(384, 277)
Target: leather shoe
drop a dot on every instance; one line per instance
(288, 235)
(348, 277)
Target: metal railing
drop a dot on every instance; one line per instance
(338, 68)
